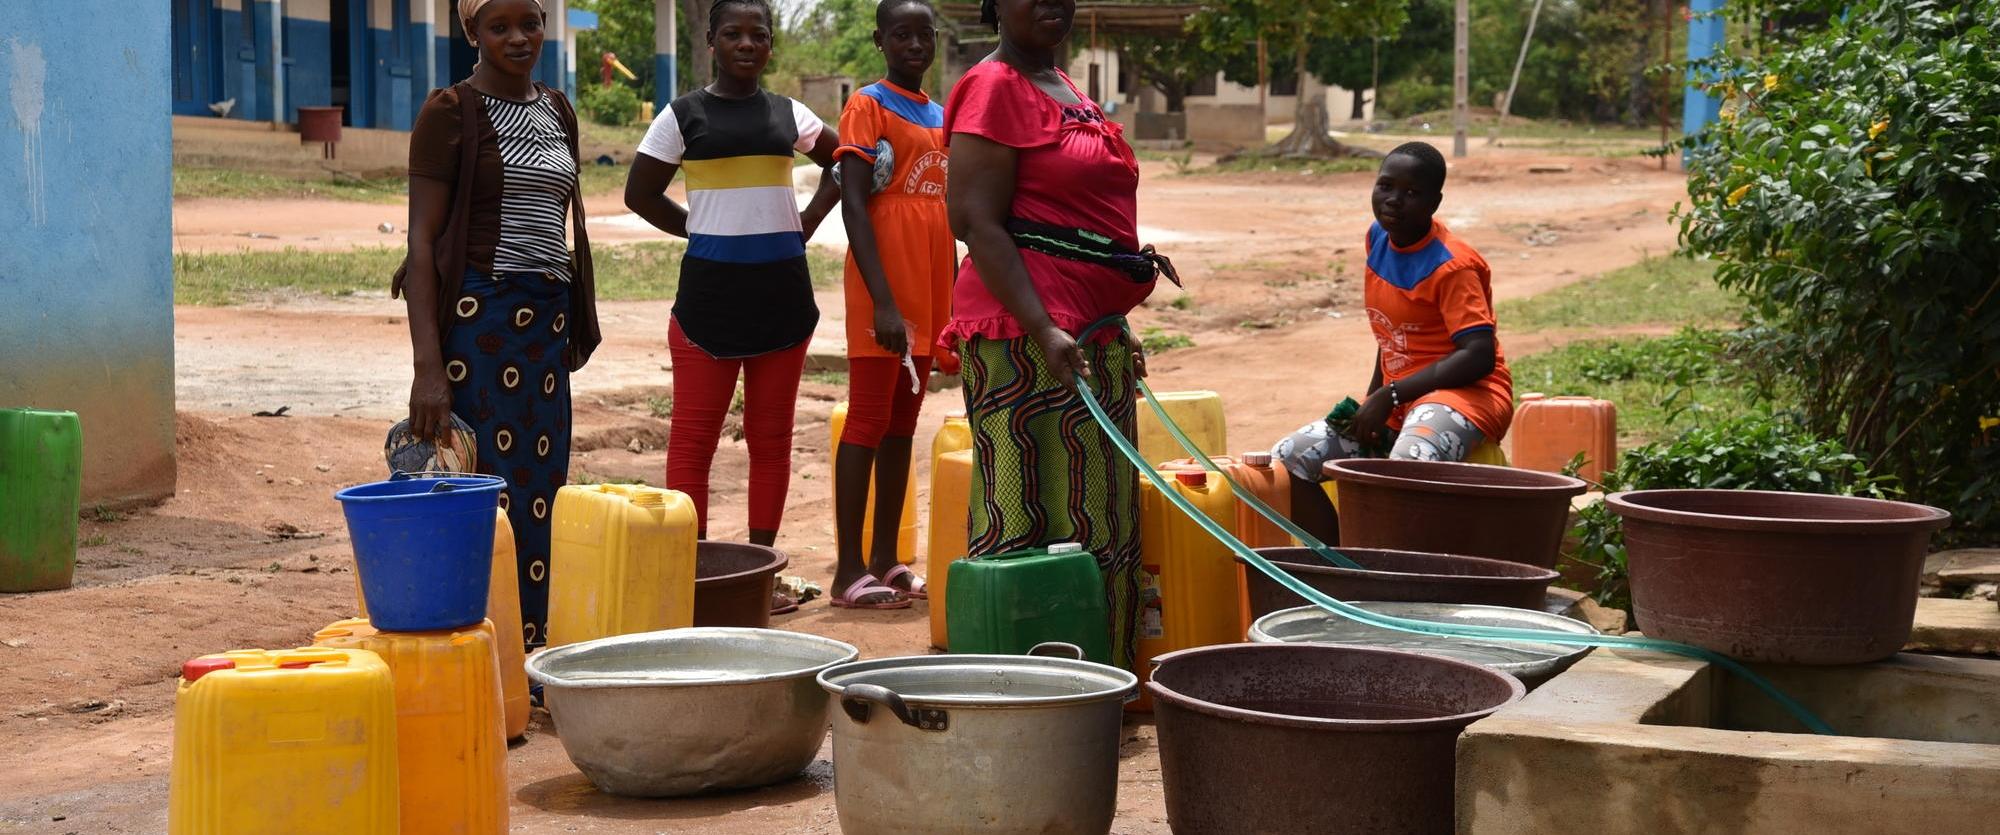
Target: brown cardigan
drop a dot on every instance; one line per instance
(438, 150)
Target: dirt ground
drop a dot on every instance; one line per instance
(251, 551)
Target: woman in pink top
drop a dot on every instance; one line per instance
(1036, 169)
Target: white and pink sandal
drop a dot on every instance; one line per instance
(868, 586)
(916, 589)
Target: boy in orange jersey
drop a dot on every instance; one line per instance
(1441, 386)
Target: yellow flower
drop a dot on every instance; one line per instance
(1770, 83)
(1986, 423)
(1736, 196)
(1876, 129)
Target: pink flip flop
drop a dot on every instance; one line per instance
(868, 585)
(916, 590)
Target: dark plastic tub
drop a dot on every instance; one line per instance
(733, 583)
(1786, 578)
(1399, 576)
(1446, 508)
(1270, 738)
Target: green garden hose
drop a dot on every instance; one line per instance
(1344, 609)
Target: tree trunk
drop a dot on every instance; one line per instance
(1360, 106)
(1176, 94)
(701, 65)
(1309, 138)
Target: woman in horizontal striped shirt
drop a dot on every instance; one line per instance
(745, 303)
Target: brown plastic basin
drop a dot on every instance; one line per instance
(733, 583)
(1445, 508)
(1268, 738)
(1399, 576)
(1787, 578)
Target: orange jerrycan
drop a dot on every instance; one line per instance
(951, 502)
(622, 561)
(1549, 431)
(298, 741)
(450, 728)
(1187, 581)
(906, 529)
(1198, 413)
(503, 614)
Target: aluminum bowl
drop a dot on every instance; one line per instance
(687, 711)
(1531, 663)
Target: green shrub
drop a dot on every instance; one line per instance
(1757, 452)
(613, 105)
(1850, 194)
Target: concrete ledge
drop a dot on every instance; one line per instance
(1967, 627)
(1623, 743)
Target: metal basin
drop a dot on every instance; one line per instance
(994, 744)
(686, 711)
(1531, 663)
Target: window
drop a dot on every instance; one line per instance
(1284, 86)
(1205, 86)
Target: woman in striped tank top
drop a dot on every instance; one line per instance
(745, 304)
(499, 312)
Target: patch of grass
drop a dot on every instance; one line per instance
(1660, 385)
(1183, 301)
(100, 513)
(827, 378)
(1303, 167)
(94, 541)
(602, 179)
(661, 405)
(649, 270)
(1157, 341)
(193, 182)
(1668, 290)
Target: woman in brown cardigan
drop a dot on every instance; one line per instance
(500, 313)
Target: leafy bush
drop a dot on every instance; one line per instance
(1849, 193)
(613, 105)
(1758, 452)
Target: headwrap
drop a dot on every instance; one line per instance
(469, 9)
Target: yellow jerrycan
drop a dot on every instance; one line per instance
(954, 435)
(622, 561)
(906, 529)
(450, 727)
(1187, 580)
(1198, 413)
(951, 501)
(503, 613)
(1253, 471)
(298, 741)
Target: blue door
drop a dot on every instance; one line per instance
(194, 58)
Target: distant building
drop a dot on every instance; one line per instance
(377, 59)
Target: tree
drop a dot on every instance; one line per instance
(1849, 192)
(1232, 27)
(1174, 65)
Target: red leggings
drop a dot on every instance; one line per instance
(879, 401)
(703, 389)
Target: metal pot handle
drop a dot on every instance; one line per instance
(858, 699)
(1057, 649)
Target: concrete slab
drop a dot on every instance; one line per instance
(1634, 742)
(1965, 627)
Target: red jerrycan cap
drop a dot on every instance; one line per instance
(1196, 478)
(195, 668)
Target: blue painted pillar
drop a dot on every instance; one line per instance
(270, 61)
(665, 86)
(426, 22)
(1705, 33)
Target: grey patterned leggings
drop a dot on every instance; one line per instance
(1431, 432)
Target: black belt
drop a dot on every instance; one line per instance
(1142, 265)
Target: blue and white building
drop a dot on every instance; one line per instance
(262, 60)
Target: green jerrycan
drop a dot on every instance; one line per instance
(1005, 604)
(41, 484)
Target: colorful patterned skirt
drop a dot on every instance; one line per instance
(503, 356)
(1047, 473)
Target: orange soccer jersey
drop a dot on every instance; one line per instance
(1419, 298)
(912, 232)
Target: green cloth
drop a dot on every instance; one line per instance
(1340, 422)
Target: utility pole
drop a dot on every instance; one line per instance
(1460, 79)
(1507, 104)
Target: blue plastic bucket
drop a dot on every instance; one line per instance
(424, 548)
